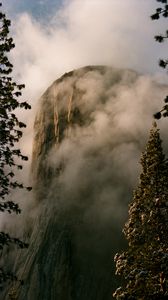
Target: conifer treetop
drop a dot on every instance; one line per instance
(144, 266)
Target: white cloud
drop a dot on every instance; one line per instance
(110, 32)
(118, 33)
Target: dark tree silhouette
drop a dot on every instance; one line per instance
(10, 134)
(144, 266)
(163, 63)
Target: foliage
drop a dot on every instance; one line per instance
(163, 63)
(10, 134)
(144, 266)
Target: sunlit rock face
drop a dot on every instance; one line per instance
(89, 133)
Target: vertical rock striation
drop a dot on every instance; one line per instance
(83, 171)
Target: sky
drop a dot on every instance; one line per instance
(55, 36)
(39, 9)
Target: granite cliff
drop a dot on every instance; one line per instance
(84, 166)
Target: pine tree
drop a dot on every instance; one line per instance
(10, 134)
(144, 266)
(160, 12)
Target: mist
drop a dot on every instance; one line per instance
(104, 143)
(81, 33)
(90, 129)
(87, 32)
(83, 174)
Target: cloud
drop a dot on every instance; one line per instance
(86, 32)
(83, 33)
(85, 182)
(117, 33)
(99, 159)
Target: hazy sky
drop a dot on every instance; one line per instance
(55, 36)
(40, 9)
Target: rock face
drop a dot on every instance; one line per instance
(84, 166)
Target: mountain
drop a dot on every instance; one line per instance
(88, 138)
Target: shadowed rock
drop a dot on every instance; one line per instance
(84, 167)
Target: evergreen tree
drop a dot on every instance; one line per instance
(144, 266)
(162, 11)
(10, 134)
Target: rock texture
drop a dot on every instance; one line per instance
(82, 160)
